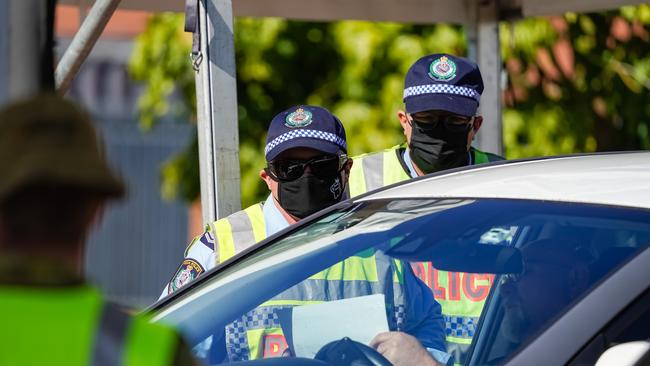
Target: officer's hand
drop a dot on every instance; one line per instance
(402, 349)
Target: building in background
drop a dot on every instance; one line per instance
(141, 239)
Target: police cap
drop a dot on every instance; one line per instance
(443, 82)
(305, 126)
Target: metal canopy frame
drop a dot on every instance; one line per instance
(22, 38)
(414, 11)
(215, 76)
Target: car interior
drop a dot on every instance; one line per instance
(552, 252)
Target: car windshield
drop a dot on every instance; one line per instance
(499, 270)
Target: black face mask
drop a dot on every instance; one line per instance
(438, 148)
(309, 193)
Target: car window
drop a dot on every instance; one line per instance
(473, 278)
(558, 271)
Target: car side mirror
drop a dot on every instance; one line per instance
(626, 354)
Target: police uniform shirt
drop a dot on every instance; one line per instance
(202, 254)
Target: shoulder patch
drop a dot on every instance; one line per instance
(187, 271)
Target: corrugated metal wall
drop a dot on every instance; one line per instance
(140, 240)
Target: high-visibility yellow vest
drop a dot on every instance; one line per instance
(238, 231)
(461, 295)
(379, 169)
(221, 240)
(75, 326)
(258, 334)
(376, 170)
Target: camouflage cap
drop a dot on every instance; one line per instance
(46, 139)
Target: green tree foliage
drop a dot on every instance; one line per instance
(355, 69)
(575, 83)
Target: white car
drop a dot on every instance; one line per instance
(559, 247)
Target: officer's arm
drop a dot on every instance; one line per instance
(424, 318)
(402, 349)
(200, 256)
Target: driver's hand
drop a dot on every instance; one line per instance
(402, 349)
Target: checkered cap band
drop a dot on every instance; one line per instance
(312, 134)
(441, 89)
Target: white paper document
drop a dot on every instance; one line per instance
(313, 326)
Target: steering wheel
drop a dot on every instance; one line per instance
(346, 352)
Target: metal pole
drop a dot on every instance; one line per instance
(204, 125)
(21, 39)
(83, 42)
(217, 112)
(471, 29)
(4, 50)
(484, 47)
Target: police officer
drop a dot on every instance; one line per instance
(441, 96)
(307, 170)
(54, 185)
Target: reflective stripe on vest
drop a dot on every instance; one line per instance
(74, 326)
(259, 334)
(144, 346)
(109, 340)
(238, 231)
(376, 170)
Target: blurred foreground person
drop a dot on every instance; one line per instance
(55, 184)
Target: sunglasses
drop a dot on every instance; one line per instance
(323, 166)
(451, 122)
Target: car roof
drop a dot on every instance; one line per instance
(621, 179)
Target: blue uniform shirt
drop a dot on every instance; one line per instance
(273, 217)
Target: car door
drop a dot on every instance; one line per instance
(596, 321)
